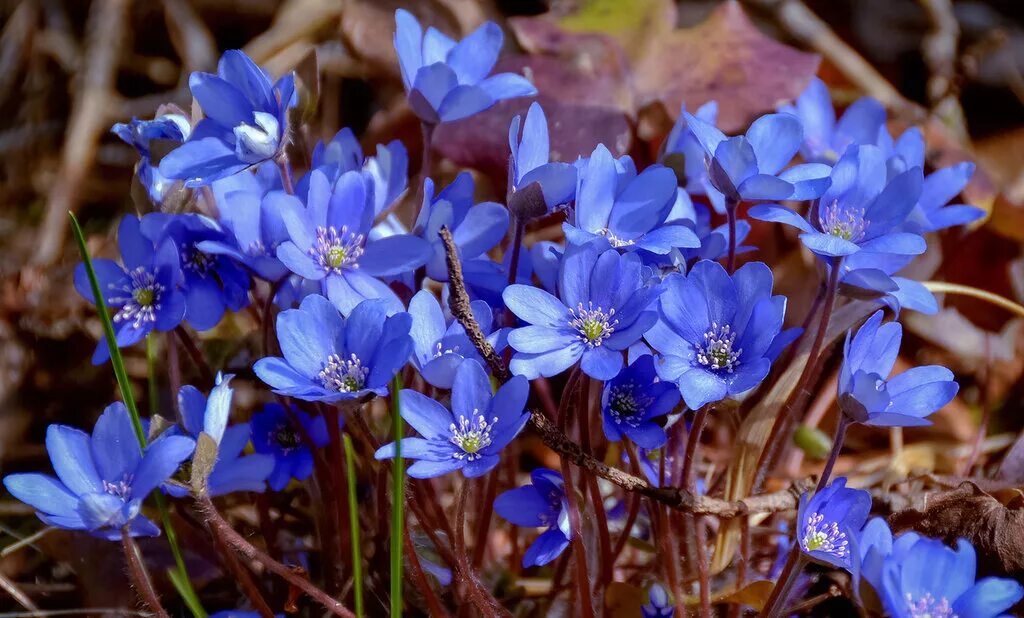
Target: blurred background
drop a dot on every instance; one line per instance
(608, 71)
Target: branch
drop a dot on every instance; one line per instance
(556, 440)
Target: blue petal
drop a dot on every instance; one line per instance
(70, 453)
(775, 139)
(394, 255)
(42, 492)
(507, 85)
(601, 363)
(464, 101)
(535, 306)
(162, 459)
(220, 100)
(546, 364)
(425, 415)
(473, 57)
(765, 187)
(809, 180)
(115, 447)
(546, 548)
(523, 506)
(424, 469)
(988, 598)
(409, 45)
(828, 245)
(535, 339)
(700, 387)
(471, 391)
(533, 150)
(484, 227)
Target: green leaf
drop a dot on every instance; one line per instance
(353, 522)
(398, 500)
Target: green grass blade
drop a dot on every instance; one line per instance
(181, 580)
(353, 522)
(398, 501)
(152, 393)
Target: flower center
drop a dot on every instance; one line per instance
(716, 352)
(625, 406)
(195, 260)
(614, 240)
(848, 224)
(343, 376)
(336, 250)
(440, 350)
(259, 141)
(139, 298)
(592, 324)
(471, 435)
(826, 537)
(122, 489)
(928, 607)
(285, 437)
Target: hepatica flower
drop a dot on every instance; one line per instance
(633, 400)
(387, 172)
(330, 358)
(629, 211)
(825, 140)
(142, 294)
(868, 395)
(860, 211)
(329, 242)
(828, 521)
(601, 310)
(470, 436)
(716, 331)
(102, 479)
(933, 212)
(440, 347)
(749, 167)
(540, 504)
(245, 124)
(530, 168)
(170, 128)
(274, 434)
(681, 143)
(659, 604)
(447, 80)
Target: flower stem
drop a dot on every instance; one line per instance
(353, 522)
(579, 552)
(483, 521)
(730, 212)
(517, 245)
(286, 174)
(689, 477)
(425, 160)
(195, 354)
(773, 608)
(268, 307)
(398, 499)
(245, 579)
(152, 391)
(837, 445)
(140, 577)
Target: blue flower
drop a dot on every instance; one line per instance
(933, 211)
(924, 577)
(874, 545)
(541, 504)
(212, 283)
(447, 80)
(716, 331)
(470, 436)
(681, 141)
(714, 242)
(870, 275)
(825, 140)
(102, 479)
(866, 393)
(439, 347)
(628, 210)
(828, 521)
(529, 164)
(274, 434)
(329, 358)
(329, 242)
(632, 400)
(748, 167)
(169, 128)
(601, 310)
(659, 605)
(245, 124)
(387, 173)
(233, 470)
(143, 294)
(860, 211)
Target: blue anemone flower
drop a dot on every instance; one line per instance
(828, 521)
(860, 211)
(627, 210)
(749, 167)
(470, 436)
(329, 358)
(825, 140)
(440, 345)
(659, 604)
(530, 163)
(866, 393)
(246, 121)
(540, 504)
(387, 173)
(933, 212)
(102, 479)
(233, 470)
(169, 128)
(274, 434)
(632, 400)
(212, 283)
(447, 80)
(602, 309)
(143, 294)
(329, 241)
(681, 141)
(716, 331)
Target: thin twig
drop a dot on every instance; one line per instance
(18, 595)
(139, 575)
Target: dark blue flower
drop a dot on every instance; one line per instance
(169, 128)
(329, 358)
(601, 310)
(827, 522)
(716, 331)
(329, 242)
(825, 140)
(102, 479)
(274, 434)
(387, 173)
(627, 210)
(659, 604)
(233, 470)
(470, 436)
(246, 121)
(633, 400)
(530, 162)
(866, 393)
(860, 211)
(440, 345)
(541, 504)
(212, 283)
(143, 294)
(447, 80)
(749, 167)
